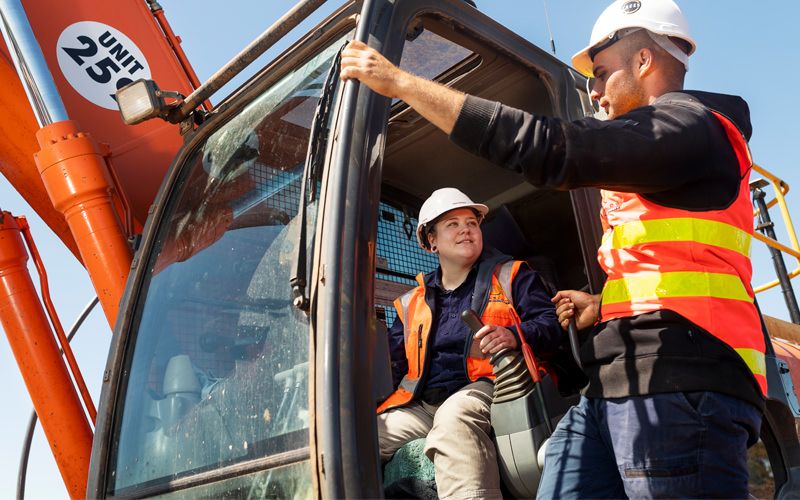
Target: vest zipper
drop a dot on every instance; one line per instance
(419, 351)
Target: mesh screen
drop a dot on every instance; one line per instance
(400, 259)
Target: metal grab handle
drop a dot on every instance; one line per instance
(572, 333)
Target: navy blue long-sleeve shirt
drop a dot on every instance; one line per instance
(449, 334)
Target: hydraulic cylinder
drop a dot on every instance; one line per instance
(54, 397)
(76, 177)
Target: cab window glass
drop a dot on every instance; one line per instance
(429, 55)
(219, 365)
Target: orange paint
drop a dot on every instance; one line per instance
(18, 144)
(63, 342)
(54, 398)
(76, 178)
(140, 154)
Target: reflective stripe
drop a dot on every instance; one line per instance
(504, 278)
(408, 384)
(707, 232)
(649, 285)
(405, 300)
(755, 360)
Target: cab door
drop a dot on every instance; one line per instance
(383, 153)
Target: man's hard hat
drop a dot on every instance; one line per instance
(441, 201)
(659, 17)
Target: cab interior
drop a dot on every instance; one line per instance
(527, 223)
(536, 225)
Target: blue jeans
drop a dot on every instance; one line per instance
(675, 445)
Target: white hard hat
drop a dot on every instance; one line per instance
(441, 201)
(659, 17)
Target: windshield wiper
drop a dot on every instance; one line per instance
(314, 158)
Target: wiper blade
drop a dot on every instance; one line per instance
(317, 141)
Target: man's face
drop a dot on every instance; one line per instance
(617, 86)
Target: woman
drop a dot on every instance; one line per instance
(442, 374)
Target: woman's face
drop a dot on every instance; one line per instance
(457, 236)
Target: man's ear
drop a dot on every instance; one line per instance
(644, 62)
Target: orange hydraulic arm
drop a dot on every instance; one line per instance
(56, 402)
(76, 178)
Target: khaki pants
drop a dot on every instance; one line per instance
(458, 440)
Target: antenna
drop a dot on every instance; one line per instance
(549, 29)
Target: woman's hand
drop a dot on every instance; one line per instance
(494, 338)
(582, 306)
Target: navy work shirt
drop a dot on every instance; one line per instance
(446, 368)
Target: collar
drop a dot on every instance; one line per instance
(437, 278)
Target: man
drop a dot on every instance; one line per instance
(442, 376)
(676, 359)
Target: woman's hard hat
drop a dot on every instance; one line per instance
(441, 201)
(659, 17)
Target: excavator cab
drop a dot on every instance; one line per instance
(247, 357)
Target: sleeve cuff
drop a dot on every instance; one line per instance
(473, 122)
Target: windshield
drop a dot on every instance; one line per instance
(219, 367)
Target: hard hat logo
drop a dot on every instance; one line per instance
(631, 7)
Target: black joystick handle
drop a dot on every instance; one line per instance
(471, 319)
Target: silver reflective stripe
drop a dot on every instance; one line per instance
(405, 300)
(408, 384)
(504, 278)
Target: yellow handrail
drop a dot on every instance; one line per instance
(776, 181)
(781, 188)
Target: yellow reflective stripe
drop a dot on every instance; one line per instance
(707, 232)
(754, 359)
(642, 286)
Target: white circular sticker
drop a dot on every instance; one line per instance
(97, 59)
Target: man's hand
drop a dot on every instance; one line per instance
(580, 305)
(494, 338)
(367, 65)
(438, 104)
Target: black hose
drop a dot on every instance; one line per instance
(26, 452)
(22, 475)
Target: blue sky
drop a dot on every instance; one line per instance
(744, 48)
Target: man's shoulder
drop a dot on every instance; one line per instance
(733, 107)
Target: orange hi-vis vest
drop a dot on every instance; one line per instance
(695, 263)
(417, 317)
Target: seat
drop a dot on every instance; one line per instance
(502, 232)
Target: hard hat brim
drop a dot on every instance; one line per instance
(583, 63)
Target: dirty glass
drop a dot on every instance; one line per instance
(291, 482)
(219, 367)
(429, 55)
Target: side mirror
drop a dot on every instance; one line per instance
(142, 100)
